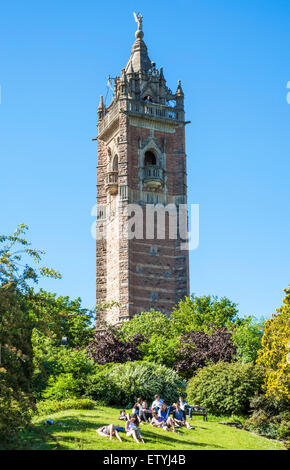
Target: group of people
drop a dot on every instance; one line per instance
(159, 415)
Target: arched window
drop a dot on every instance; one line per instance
(115, 163)
(150, 158)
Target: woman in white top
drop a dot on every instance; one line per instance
(133, 430)
(157, 403)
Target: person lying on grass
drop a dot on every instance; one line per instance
(178, 417)
(133, 430)
(109, 431)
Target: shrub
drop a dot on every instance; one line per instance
(197, 348)
(108, 346)
(225, 388)
(52, 406)
(64, 386)
(122, 384)
(269, 417)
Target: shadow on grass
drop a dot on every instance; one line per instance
(49, 437)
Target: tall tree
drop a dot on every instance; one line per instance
(197, 313)
(274, 355)
(16, 325)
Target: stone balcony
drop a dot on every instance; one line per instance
(153, 110)
(111, 184)
(153, 177)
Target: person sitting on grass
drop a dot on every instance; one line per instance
(133, 430)
(183, 406)
(145, 412)
(109, 431)
(179, 419)
(164, 413)
(158, 422)
(156, 403)
(123, 415)
(137, 408)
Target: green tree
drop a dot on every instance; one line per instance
(147, 324)
(16, 325)
(274, 353)
(247, 336)
(62, 317)
(203, 313)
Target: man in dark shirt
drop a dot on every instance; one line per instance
(178, 417)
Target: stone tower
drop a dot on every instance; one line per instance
(141, 161)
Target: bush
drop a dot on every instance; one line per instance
(269, 417)
(52, 406)
(15, 413)
(122, 384)
(108, 346)
(198, 348)
(68, 376)
(64, 386)
(225, 388)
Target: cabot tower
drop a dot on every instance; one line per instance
(141, 160)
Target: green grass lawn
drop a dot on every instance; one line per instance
(67, 434)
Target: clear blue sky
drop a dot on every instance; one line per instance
(233, 58)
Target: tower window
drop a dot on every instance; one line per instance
(150, 158)
(115, 163)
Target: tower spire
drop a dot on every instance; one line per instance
(139, 54)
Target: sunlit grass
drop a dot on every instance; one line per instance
(75, 429)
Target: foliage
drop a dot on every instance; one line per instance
(14, 270)
(196, 313)
(274, 355)
(160, 349)
(64, 386)
(108, 346)
(53, 406)
(60, 317)
(147, 324)
(225, 388)
(123, 383)
(15, 408)
(16, 277)
(247, 336)
(198, 348)
(269, 417)
(69, 375)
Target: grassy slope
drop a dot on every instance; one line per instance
(73, 436)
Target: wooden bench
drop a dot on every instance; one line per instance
(196, 411)
(199, 411)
